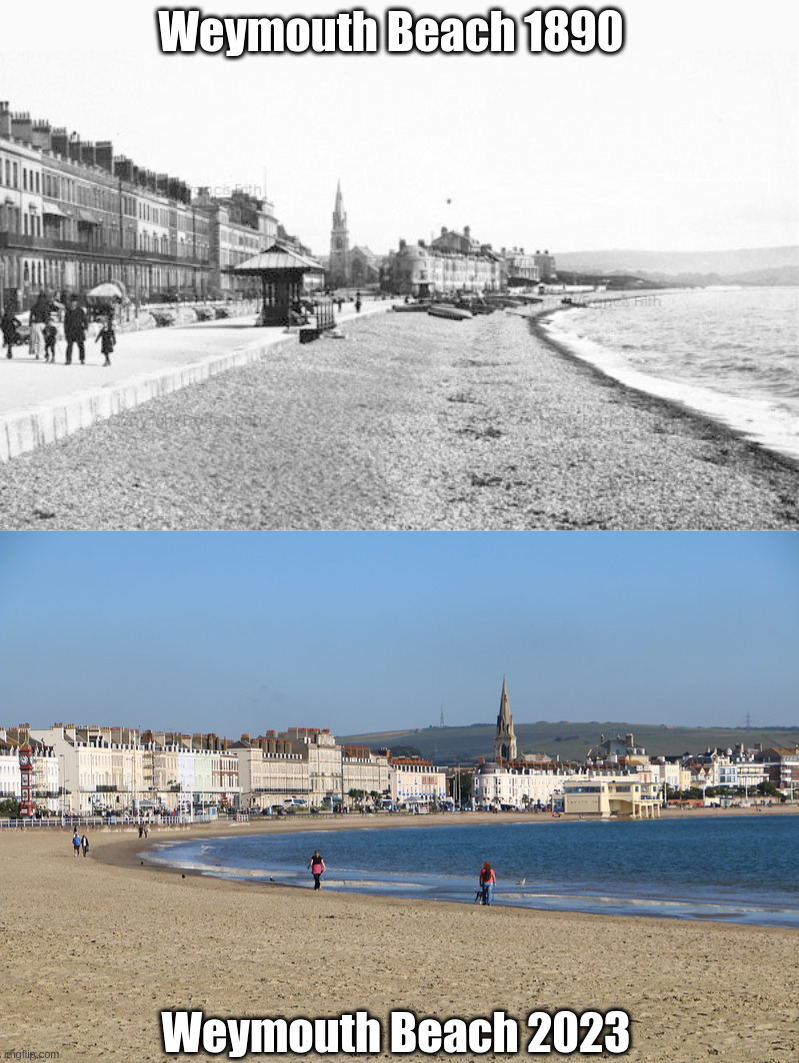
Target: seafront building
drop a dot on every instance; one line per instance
(92, 770)
(452, 262)
(74, 214)
(89, 770)
(619, 795)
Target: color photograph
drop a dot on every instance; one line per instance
(269, 786)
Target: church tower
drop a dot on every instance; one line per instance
(338, 271)
(505, 738)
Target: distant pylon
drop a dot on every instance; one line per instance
(441, 717)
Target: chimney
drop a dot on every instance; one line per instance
(402, 245)
(5, 119)
(104, 155)
(123, 168)
(162, 183)
(74, 147)
(22, 127)
(42, 138)
(467, 232)
(87, 153)
(60, 141)
(443, 230)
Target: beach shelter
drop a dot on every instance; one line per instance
(281, 270)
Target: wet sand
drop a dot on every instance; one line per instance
(94, 948)
(410, 422)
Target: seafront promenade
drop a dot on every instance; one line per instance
(42, 403)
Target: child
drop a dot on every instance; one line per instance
(50, 337)
(106, 337)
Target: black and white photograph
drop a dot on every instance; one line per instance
(377, 269)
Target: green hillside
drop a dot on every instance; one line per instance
(569, 741)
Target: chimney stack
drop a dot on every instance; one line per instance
(42, 138)
(22, 127)
(60, 142)
(104, 155)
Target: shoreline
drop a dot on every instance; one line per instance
(122, 852)
(108, 947)
(706, 425)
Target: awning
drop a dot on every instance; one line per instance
(87, 217)
(52, 209)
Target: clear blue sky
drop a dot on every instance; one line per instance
(360, 632)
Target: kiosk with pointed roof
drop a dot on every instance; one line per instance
(281, 270)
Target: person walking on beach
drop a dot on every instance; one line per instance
(76, 843)
(317, 866)
(84, 844)
(488, 880)
(75, 325)
(107, 339)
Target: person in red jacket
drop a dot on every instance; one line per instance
(488, 880)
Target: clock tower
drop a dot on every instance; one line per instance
(338, 271)
(26, 806)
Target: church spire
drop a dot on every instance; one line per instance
(505, 738)
(339, 267)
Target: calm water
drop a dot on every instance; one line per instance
(739, 869)
(732, 355)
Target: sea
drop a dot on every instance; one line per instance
(736, 869)
(729, 354)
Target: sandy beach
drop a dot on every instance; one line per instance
(94, 948)
(410, 422)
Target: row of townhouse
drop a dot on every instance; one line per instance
(518, 785)
(74, 214)
(86, 770)
(456, 262)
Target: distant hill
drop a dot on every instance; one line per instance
(569, 741)
(765, 265)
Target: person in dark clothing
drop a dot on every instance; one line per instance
(9, 326)
(50, 337)
(75, 325)
(317, 866)
(107, 339)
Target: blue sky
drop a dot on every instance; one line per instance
(361, 632)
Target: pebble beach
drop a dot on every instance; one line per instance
(94, 948)
(409, 422)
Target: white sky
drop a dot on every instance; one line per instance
(686, 140)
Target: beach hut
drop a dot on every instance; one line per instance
(281, 270)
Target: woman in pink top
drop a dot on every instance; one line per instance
(317, 866)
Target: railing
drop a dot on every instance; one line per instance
(112, 251)
(60, 822)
